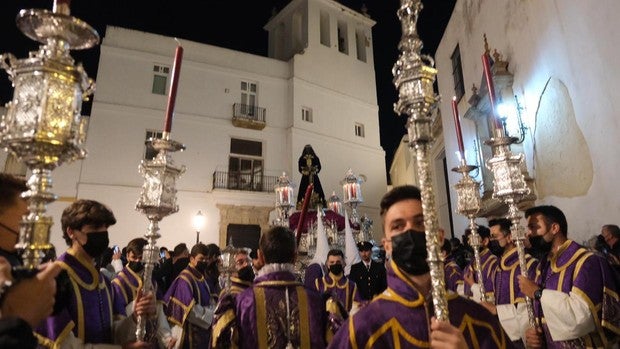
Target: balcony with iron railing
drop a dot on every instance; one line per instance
(244, 181)
(249, 116)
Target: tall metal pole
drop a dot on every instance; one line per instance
(157, 200)
(414, 75)
(509, 183)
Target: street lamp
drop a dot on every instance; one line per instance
(198, 222)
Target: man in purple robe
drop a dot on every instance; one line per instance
(339, 286)
(452, 271)
(277, 311)
(188, 302)
(575, 294)
(240, 280)
(488, 264)
(509, 303)
(402, 315)
(84, 315)
(126, 285)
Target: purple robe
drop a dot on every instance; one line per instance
(399, 318)
(260, 314)
(488, 263)
(223, 317)
(189, 288)
(313, 271)
(125, 287)
(575, 269)
(506, 286)
(341, 289)
(453, 274)
(88, 306)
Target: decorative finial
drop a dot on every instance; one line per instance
(364, 10)
(496, 56)
(486, 44)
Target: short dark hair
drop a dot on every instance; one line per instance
(136, 246)
(199, 248)
(551, 214)
(397, 194)
(335, 252)
(213, 250)
(278, 245)
(179, 249)
(85, 212)
(613, 229)
(484, 232)
(11, 188)
(504, 225)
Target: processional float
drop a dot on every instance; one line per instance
(310, 226)
(43, 126)
(414, 75)
(158, 197)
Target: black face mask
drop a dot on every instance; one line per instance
(496, 248)
(201, 266)
(136, 267)
(96, 243)
(540, 245)
(409, 252)
(246, 273)
(336, 269)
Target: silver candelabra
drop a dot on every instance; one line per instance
(43, 126)
(468, 205)
(414, 75)
(157, 200)
(510, 187)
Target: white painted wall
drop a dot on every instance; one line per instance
(571, 41)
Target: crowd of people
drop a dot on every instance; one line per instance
(93, 295)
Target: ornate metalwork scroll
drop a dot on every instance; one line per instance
(414, 75)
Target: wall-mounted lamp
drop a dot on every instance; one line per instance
(510, 114)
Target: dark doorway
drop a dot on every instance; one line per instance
(243, 235)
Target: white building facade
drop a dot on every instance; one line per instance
(244, 119)
(561, 78)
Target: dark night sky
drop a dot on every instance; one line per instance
(236, 25)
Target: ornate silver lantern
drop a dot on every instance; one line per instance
(284, 199)
(43, 126)
(509, 184)
(335, 204)
(227, 268)
(468, 205)
(157, 200)
(414, 75)
(352, 193)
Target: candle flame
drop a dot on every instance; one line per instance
(454, 98)
(178, 42)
